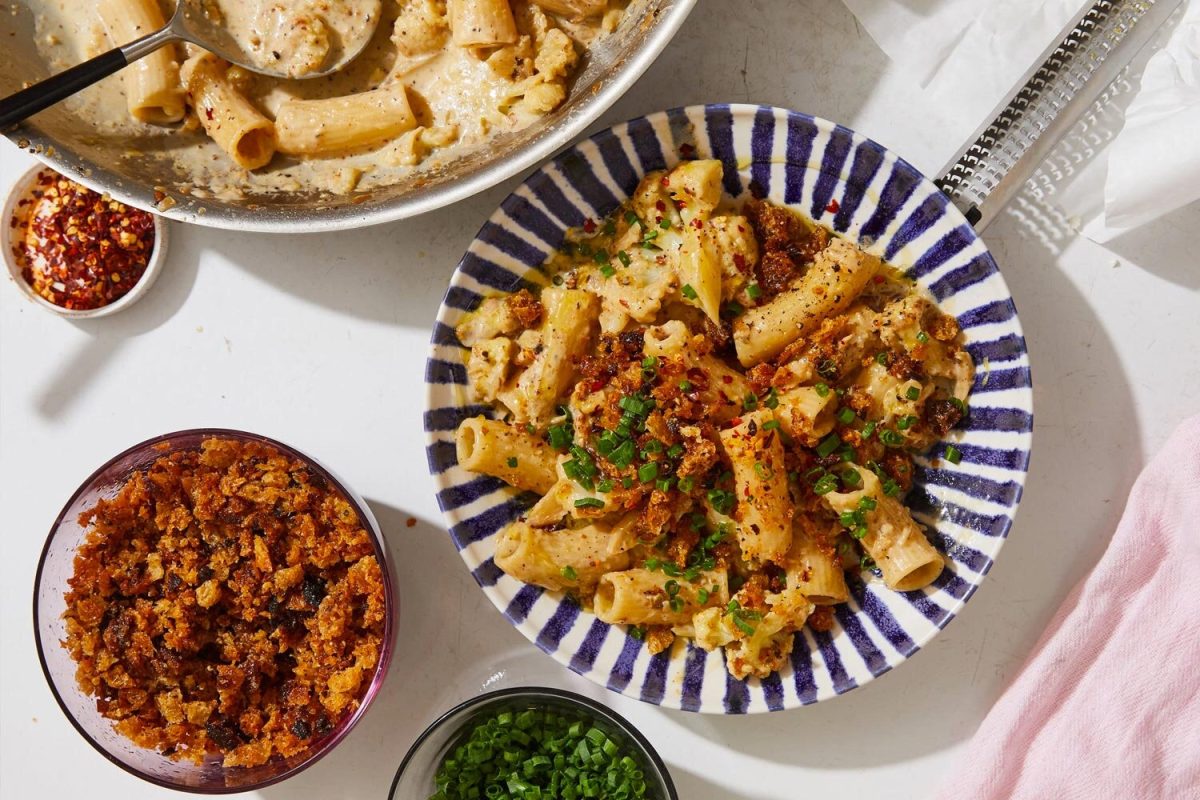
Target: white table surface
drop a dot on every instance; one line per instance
(320, 341)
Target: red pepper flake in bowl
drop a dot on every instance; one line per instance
(79, 249)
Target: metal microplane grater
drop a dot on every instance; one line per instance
(1095, 47)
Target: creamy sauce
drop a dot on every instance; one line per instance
(297, 38)
(462, 97)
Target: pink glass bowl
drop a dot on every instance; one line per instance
(56, 567)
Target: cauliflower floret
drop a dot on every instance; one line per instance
(421, 28)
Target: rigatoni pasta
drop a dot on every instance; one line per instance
(241, 130)
(732, 399)
(152, 88)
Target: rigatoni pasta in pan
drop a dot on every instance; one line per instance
(732, 399)
(435, 75)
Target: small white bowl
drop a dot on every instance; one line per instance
(21, 189)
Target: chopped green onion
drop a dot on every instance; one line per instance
(675, 451)
(601, 257)
(866, 504)
(685, 385)
(749, 402)
(868, 429)
(665, 224)
(771, 400)
(569, 573)
(687, 484)
(589, 502)
(604, 486)
(881, 358)
(848, 519)
(753, 291)
(891, 488)
(822, 389)
(627, 482)
(890, 438)
(607, 271)
(734, 309)
(664, 484)
(866, 563)
(653, 447)
(623, 456)
(721, 500)
(652, 564)
(825, 484)
(632, 218)
(648, 472)
(649, 362)
(859, 532)
(637, 632)
(953, 454)
(610, 226)
(959, 404)
(770, 425)
(624, 258)
(512, 462)
(845, 415)
(828, 445)
(671, 569)
(762, 471)
(560, 437)
(922, 337)
(671, 587)
(913, 393)
(689, 292)
(676, 604)
(851, 478)
(702, 596)
(904, 423)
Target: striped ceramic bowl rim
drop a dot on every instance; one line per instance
(869, 195)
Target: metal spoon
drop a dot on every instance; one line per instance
(189, 23)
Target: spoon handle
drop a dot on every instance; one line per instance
(27, 102)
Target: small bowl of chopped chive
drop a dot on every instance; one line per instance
(532, 744)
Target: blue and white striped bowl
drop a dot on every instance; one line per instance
(862, 191)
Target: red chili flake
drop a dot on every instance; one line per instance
(735, 421)
(661, 206)
(589, 225)
(80, 250)
(208, 112)
(833, 206)
(878, 279)
(665, 181)
(739, 261)
(410, 522)
(686, 150)
(727, 378)
(596, 385)
(697, 223)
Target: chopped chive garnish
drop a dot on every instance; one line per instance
(652, 564)
(664, 484)
(770, 425)
(601, 257)
(828, 445)
(721, 500)
(822, 390)
(845, 415)
(753, 291)
(686, 484)
(649, 362)
(512, 462)
(569, 573)
(648, 472)
(675, 451)
(881, 358)
(825, 484)
(953, 454)
(772, 399)
(913, 393)
(560, 437)
(749, 402)
(627, 482)
(859, 532)
(671, 569)
(605, 486)
(665, 224)
(848, 519)
(922, 337)
(637, 632)
(624, 258)
(653, 447)
(589, 502)
(607, 271)
(891, 488)
(866, 504)
(632, 218)
(689, 292)
(868, 429)
(685, 385)
(959, 404)
(702, 596)
(851, 478)
(890, 438)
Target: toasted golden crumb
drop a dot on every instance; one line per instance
(226, 600)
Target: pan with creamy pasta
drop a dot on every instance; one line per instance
(438, 79)
(718, 407)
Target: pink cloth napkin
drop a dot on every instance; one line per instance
(1108, 705)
